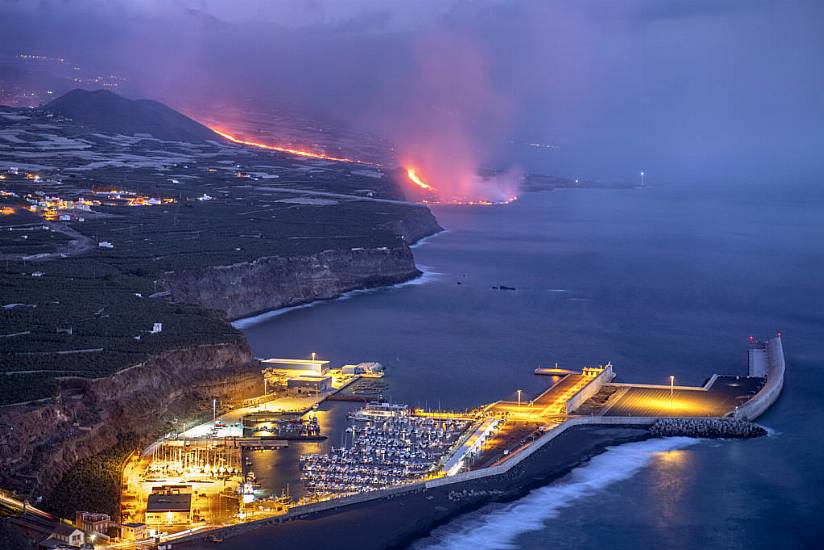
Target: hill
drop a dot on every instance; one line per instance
(110, 113)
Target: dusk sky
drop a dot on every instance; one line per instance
(699, 91)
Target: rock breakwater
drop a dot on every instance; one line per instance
(711, 428)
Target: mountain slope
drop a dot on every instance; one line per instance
(110, 113)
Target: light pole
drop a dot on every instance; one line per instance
(672, 388)
(519, 398)
(642, 178)
(214, 409)
(314, 365)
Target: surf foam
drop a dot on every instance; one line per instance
(498, 528)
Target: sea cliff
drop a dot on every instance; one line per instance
(41, 441)
(272, 282)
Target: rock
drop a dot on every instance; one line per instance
(712, 428)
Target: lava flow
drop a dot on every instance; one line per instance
(289, 150)
(416, 179)
(436, 198)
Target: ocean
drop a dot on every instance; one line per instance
(661, 281)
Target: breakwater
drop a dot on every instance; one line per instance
(711, 428)
(773, 357)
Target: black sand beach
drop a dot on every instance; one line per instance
(396, 521)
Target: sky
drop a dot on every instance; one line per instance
(700, 91)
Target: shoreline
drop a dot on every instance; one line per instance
(353, 524)
(424, 276)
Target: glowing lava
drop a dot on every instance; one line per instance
(289, 150)
(416, 179)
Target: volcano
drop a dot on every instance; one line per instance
(110, 113)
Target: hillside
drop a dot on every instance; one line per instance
(110, 113)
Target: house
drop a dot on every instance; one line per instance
(92, 522)
(64, 536)
(133, 531)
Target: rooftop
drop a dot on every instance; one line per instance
(169, 503)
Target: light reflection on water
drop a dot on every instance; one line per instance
(279, 470)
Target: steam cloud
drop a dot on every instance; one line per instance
(461, 86)
(446, 111)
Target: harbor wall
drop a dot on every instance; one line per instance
(769, 393)
(593, 387)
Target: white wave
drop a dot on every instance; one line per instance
(425, 277)
(771, 432)
(420, 242)
(500, 527)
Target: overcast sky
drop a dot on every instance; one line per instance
(699, 90)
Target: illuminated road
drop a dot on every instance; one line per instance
(549, 404)
(18, 506)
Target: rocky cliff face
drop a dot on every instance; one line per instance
(40, 442)
(272, 282)
(416, 224)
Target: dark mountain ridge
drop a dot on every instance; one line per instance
(110, 113)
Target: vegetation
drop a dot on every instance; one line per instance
(93, 484)
(91, 314)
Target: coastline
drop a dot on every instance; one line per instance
(424, 276)
(354, 525)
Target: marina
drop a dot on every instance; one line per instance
(387, 445)
(362, 453)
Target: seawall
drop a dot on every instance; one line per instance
(770, 392)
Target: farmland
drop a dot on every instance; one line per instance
(92, 222)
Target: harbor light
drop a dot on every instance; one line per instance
(672, 388)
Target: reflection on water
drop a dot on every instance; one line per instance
(278, 471)
(671, 473)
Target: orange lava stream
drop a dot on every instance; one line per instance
(416, 179)
(289, 150)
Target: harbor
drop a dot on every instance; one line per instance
(388, 450)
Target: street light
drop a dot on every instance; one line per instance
(519, 398)
(672, 387)
(642, 178)
(214, 409)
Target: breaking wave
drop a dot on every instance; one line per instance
(497, 527)
(426, 276)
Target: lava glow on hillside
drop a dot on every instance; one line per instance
(419, 184)
(433, 196)
(414, 178)
(288, 150)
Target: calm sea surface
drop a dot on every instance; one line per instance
(659, 281)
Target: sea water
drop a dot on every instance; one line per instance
(661, 281)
